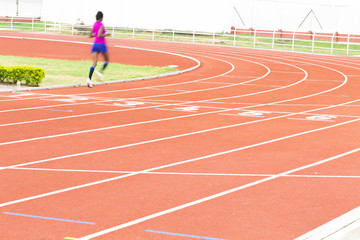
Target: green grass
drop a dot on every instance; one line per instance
(65, 72)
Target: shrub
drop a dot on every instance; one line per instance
(30, 76)
(3, 74)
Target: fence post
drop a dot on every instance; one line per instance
(133, 33)
(153, 34)
(214, 38)
(193, 36)
(32, 24)
(255, 38)
(332, 43)
(11, 22)
(234, 37)
(72, 29)
(348, 45)
(293, 41)
(45, 26)
(113, 33)
(313, 42)
(273, 40)
(173, 36)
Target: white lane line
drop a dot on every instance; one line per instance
(172, 118)
(312, 64)
(185, 173)
(77, 95)
(81, 115)
(46, 137)
(108, 128)
(171, 164)
(241, 83)
(336, 229)
(166, 138)
(51, 106)
(202, 200)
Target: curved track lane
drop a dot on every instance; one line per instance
(253, 144)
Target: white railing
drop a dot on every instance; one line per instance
(334, 43)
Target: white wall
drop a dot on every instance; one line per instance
(159, 14)
(27, 8)
(333, 15)
(204, 15)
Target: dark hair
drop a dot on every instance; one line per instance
(99, 15)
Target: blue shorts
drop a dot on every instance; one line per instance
(97, 47)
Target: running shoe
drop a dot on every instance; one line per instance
(99, 76)
(89, 83)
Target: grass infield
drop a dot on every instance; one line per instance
(66, 72)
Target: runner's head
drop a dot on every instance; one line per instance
(99, 16)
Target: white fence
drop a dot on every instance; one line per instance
(340, 44)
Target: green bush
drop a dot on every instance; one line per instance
(30, 76)
(3, 74)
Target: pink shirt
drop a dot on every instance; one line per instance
(96, 27)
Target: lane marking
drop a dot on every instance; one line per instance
(176, 136)
(318, 118)
(184, 235)
(167, 89)
(266, 104)
(336, 96)
(164, 138)
(316, 175)
(336, 228)
(196, 202)
(54, 110)
(56, 105)
(129, 104)
(117, 126)
(159, 167)
(251, 80)
(48, 218)
(79, 95)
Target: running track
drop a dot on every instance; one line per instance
(253, 144)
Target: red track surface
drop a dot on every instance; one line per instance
(254, 144)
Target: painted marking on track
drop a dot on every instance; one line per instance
(70, 238)
(21, 94)
(187, 173)
(196, 202)
(249, 114)
(188, 109)
(70, 99)
(129, 104)
(184, 235)
(182, 109)
(335, 95)
(253, 113)
(122, 104)
(55, 110)
(47, 218)
(320, 118)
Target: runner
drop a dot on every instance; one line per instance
(99, 33)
